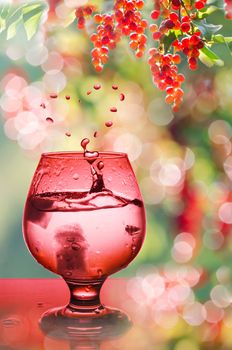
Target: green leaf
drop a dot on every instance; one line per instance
(28, 13)
(168, 40)
(12, 22)
(4, 11)
(226, 40)
(207, 29)
(209, 58)
(31, 19)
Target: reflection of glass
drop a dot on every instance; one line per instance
(82, 231)
(81, 337)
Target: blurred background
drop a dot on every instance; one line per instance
(183, 162)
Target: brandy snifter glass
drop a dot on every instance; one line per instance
(82, 230)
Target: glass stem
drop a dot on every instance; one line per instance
(84, 295)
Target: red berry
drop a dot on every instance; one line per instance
(199, 5)
(155, 14)
(185, 27)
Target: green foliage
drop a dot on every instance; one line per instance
(29, 14)
(209, 58)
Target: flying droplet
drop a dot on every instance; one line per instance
(97, 86)
(115, 87)
(68, 134)
(109, 123)
(67, 97)
(89, 92)
(91, 156)
(100, 165)
(43, 105)
(49, 120)
(84, 143)
(95, 134)
(113, 109)
(122, 97)
(53, 96)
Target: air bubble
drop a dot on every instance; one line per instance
(75, 176)
(68, 273)
(76, 246)
(10, 322)
(132, 230)
(70, 239)
(99, 272)
(100, 165)
(40, 305)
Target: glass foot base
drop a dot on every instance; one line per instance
(102, 324)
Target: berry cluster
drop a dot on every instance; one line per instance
(176, 20)
(174, 33)
(82, 13)
(125, 20)
(130, 23)
(190, 46)
(166, 77)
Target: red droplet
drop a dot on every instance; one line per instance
(113, 109)
(97, 86)
(95, 134)
(49, 120)
(91, 156)
(115, 87)
(53, 96)
(122, 97)
(109, 123)
(84, 143)
(43, 105)
(89, 92)
(68, 134)
(67, 97)
(100, 165)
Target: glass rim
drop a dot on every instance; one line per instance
(80, 155)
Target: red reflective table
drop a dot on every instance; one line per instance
(23, 301)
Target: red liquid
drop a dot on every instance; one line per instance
(82, 235)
